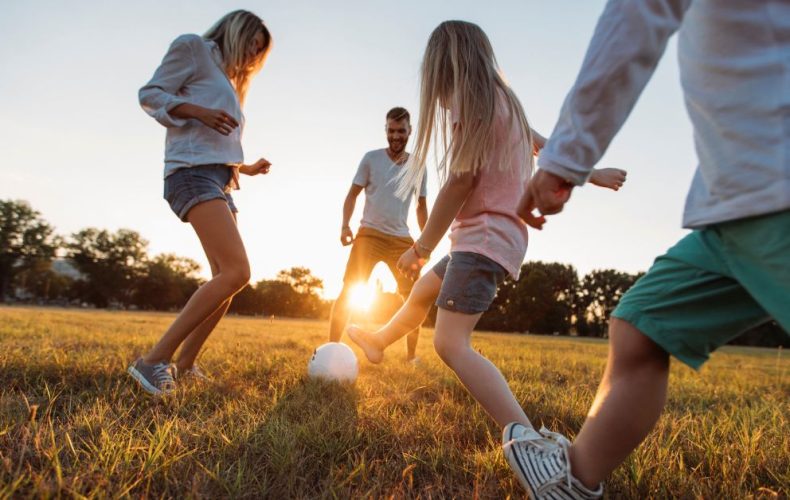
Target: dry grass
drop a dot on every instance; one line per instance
(72, 424)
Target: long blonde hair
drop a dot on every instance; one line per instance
(459, 70)
(234, 34)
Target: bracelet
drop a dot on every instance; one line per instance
(415, 247)
(423, 247)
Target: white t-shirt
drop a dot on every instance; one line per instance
(384, 211)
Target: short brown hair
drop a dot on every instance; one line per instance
(398, 114)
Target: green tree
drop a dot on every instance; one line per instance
(302, 280)
(111, 264)
(41, 281)
(599, 293)
(26, 242)
(278, 298)
(167, 282)
(540, 302)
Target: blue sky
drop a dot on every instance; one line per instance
(78, 147)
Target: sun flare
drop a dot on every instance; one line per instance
(362, 296)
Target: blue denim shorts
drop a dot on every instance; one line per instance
(187, 187)
(469, 282)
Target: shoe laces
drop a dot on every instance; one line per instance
(547, 443)
(162, 376)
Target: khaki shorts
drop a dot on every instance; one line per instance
(371, 247)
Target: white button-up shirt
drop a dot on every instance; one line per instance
(735, 72)
(191, 72)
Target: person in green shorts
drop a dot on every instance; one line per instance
(383, 235)
(731, 272)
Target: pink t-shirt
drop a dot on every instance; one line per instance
(487, 223)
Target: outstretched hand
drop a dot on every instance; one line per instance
(547, 193)
(612, 178)
(261, 166)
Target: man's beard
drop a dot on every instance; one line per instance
(397, 148)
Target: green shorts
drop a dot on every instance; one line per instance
(712, 286)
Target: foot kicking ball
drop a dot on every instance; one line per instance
(333, 361)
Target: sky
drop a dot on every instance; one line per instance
(77, 146)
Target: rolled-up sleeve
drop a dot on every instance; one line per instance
(159, 95)
(629, 40)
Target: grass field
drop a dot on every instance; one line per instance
(72, 424)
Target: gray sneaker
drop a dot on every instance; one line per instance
(540, 461)
(194, 373)
(156, 379)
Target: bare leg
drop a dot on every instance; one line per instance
(411, 344)
(195, 340)
(215, 226)
(409, 317)
(481, 378)
(627, 406)
(339, 316)
(412, 337)
(191, 346)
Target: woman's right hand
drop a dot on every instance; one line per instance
(217, 119)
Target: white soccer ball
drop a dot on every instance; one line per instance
(333, 361)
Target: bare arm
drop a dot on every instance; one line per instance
(346, 235)
(448, 203)
(422, 212)
(451, 198)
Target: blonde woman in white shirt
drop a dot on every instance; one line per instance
(197, 94)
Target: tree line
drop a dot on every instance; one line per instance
(100, 268)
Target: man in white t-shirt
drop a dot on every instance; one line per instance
(383, 235)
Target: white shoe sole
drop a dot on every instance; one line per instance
(140, 378)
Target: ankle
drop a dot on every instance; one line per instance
(152, 361)
(580, 471)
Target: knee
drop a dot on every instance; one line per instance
(447, 349)
(238, 277)
(632, 351)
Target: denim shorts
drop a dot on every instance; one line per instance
(186, 187)
(469, 282)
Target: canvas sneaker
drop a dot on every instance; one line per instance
(194, 373)
(156, 379)
(540, 461)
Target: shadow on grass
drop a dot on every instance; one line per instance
(301, 448)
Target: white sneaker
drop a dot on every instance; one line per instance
(156, 379)
(540, 461)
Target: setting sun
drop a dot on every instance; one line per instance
(362, 296)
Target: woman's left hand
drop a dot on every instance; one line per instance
(410, 264)
(259, 167)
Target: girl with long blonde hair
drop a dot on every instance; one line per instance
(197, 93)
(474, 123)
